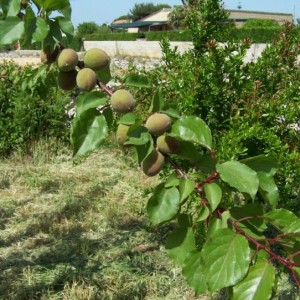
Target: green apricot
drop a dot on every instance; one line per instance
(96, 59)
(67, 60)
(158, 123)
(122, 101)
(67, 80)
(153, 163)
(86, 79)
(121, 134)
(167, 144)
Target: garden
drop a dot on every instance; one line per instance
(179, 182)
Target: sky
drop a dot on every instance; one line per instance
(105, 11)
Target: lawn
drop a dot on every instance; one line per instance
(79, 231)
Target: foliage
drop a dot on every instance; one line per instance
(88, 28)
(260, 23)
(233, 34)
(141, 10)
(123, 17)
(31, 109)
(232, 229)
(120, 36)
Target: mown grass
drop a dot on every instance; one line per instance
(80, 232)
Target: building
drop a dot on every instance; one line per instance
(159, 20)
(241, 16)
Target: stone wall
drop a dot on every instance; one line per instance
(120, 49)
(152, 49)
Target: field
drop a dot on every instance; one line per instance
(79, 231)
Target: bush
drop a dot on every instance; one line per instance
(184, 36)
(122, 36)
(30, 110)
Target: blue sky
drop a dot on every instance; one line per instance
(105, 11)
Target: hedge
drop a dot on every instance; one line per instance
(257, 35)
(120, 36)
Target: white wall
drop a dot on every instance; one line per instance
(152, 49)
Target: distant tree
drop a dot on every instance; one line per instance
(87, 28)
(141, 10)
(177, 17)
(261, 23)
(123, 17)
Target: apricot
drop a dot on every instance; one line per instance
(86, 79)
(122, 101)
(167, 144)
(67, 80)
(96, 59)
(67, 60)
(121, 134)
(153, 163)
(158, 123)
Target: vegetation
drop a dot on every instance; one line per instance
(31, 107)
(86, 28)
(230, 210)
(79, 232)
(141, 10)
(261, 23)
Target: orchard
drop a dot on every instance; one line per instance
(230, 231)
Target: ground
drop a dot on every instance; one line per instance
(79, 231)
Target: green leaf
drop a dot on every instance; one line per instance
(139, 137)
(41, 31)
(4, 5)
(104, 75)
(186, 187)
(109, 116)
(203, 214)
(262, 163)
(137, 81)
(193, 272)
(214, 225)
(55, 31)
(172, 180)
(192, 129)
(188, 151)
(294, 227)
(281, 218)
(66, 25)
(144, 150)
(226, 258)
(258, 283)
(90, 100)
(30, 26)
(128, 119)
(239, 176)
(66, 11)
(206, 163)
(157, 102)
(38, 3)
(180, 242)
(11, 30)
(14, 8)
(55, 4)
(213, 194)
(268, 188)
(254, 226)
(163, 205)
(88, 132)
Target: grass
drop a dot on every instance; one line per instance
(80, 232)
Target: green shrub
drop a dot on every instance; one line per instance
(121, 36)
(170, 35)
(30, 108)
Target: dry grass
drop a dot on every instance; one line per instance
(79, 231)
